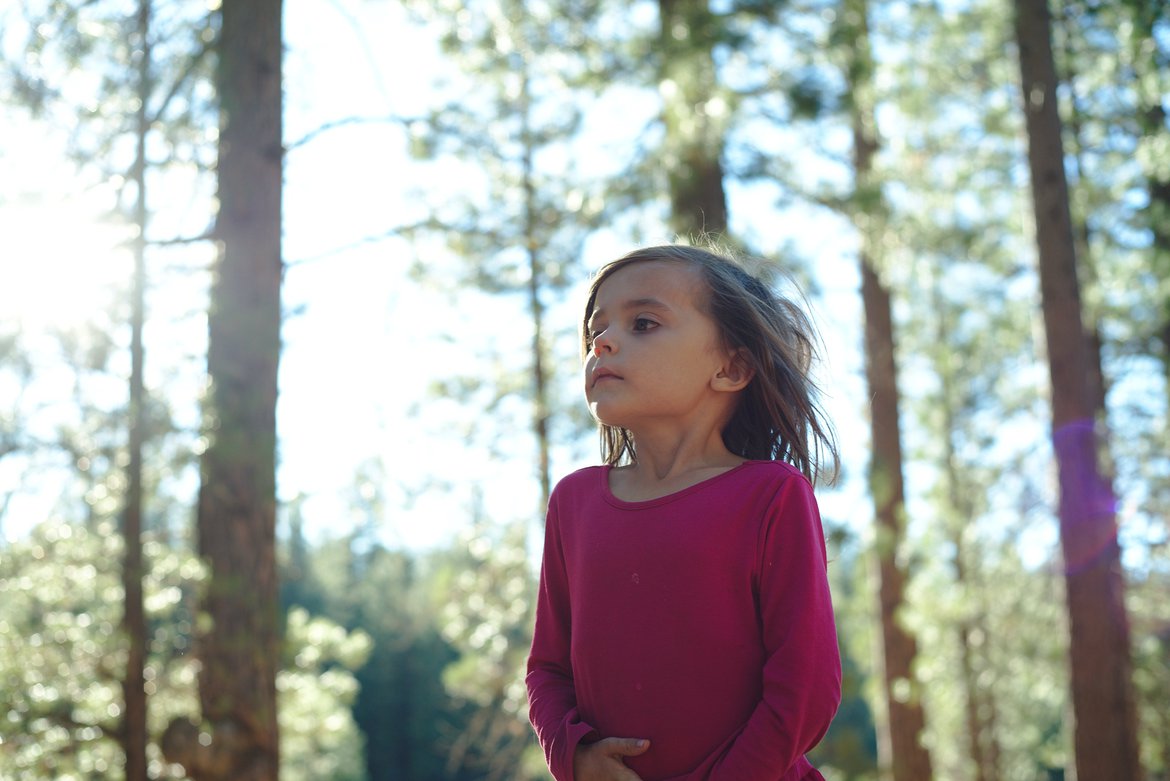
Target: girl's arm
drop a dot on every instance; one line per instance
(552, 699)
(802, 670)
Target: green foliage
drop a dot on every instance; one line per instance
(62, 657)
(1017, 660)
(406, 717)
(1151, 650)
(511, 118)
(316, 691)
(62, 654)
(77, 69)
(486, 593)
(1113, 56)
(848, 751)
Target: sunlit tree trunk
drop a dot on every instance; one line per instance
(536, 284)
(1082, 234)
(1105, 735)
(237, 504)
(905, 721)
(134, 616)
(695, 118)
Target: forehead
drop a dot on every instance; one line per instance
(676, 284)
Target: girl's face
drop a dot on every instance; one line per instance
(655, 357)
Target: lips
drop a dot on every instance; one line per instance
(601, 374)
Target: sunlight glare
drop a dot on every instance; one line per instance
(61, 263)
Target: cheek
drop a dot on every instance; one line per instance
(586, 371)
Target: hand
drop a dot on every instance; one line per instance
(602, 761)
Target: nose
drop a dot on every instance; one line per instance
(603, 342)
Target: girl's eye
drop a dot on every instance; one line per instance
(644, 324)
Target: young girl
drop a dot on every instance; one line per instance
(684, 629)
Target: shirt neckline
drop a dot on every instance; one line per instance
(608, 495)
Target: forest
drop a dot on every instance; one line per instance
(289, 295)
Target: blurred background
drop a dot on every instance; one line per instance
(451, 174)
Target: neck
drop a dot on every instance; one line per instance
(666, 456)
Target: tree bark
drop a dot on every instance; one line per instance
(908, 758)
(694, 118)
(1105, 734)
(237, 497)
(134, 729)
(536, 309)
(905, 720)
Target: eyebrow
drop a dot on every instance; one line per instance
(635, 303)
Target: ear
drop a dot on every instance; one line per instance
(735, 374)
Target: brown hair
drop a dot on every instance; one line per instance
(778, 416)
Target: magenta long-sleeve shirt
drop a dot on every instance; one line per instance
(700, 621)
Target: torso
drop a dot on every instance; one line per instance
(665, 633)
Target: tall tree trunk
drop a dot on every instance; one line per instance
(1082, 233)
(694, 117)
(536, 276)
(905, 720)
(1158, 219)
(237, 497)
(1105, 735)
(134, 616)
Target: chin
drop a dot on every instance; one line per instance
(604, 415)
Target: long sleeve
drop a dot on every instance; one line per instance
(552, 699)
(802, 669)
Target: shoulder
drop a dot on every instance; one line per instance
(572, 486)
(782, 489)
(775, 473)
(586, 477)
(574, 495)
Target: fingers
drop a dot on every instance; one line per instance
(625, 747)
(603, 760)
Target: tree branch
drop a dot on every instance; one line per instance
(345, 122)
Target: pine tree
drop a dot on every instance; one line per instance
(974, 393)
(134, 725)
(694, 116)
(237, 502)
(1102, 693)
(1112, 62)
(905, 720)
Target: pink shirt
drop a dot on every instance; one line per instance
(700, 620)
